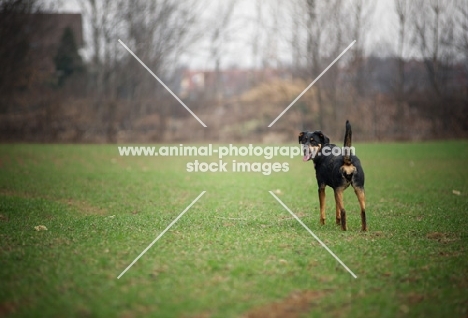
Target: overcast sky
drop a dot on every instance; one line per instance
(381, 36)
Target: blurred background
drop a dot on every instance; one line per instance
(237, 64)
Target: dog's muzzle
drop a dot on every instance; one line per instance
(307, 152)
(310, 151)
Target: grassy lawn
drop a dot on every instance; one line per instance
(237, 251)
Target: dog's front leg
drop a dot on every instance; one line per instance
(321, 192)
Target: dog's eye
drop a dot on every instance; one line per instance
(311, 139)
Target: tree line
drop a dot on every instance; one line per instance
(413, 88)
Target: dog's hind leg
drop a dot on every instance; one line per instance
(321, 192)
(340, 207)
(338, 213)
(362, 202)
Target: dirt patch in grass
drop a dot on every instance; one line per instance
(7, 308)
(441, 237)
(414, 298)
(200, 315)
(81, 206)
(285, 218)
(295, 305)
(435, 236)
(84, 207)
(377, 234)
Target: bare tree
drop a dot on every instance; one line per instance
(221, 33)
(461, 36)
(89, 9)
(326, 27)
(434, 29)
(295, 37)
(271, 32)
(317, 37)
(155, 30)
(333, 46)
(257, 33)
(461, 18)
(402, 9)
(313, 37)
(433, 36)
(313, 51)
(360, 23)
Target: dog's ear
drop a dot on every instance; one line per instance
(323, 139)
(300, 136)
(326, 140)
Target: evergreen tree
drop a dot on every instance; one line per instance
(67, 60)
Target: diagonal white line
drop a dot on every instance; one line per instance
(315, 236)
(160, 235)
(168, 89)
(310, 85)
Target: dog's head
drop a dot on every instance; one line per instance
(312, 143)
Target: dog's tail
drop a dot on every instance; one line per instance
(347, 144)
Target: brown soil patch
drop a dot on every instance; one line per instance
(435, 236)
(7, 308)
(84, 207)
(81, 206)
(295, 305)
(299, 215)
(200, 315)
(414, 298)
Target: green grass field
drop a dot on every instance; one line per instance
(237, 252)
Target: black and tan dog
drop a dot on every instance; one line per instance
(337, 168)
